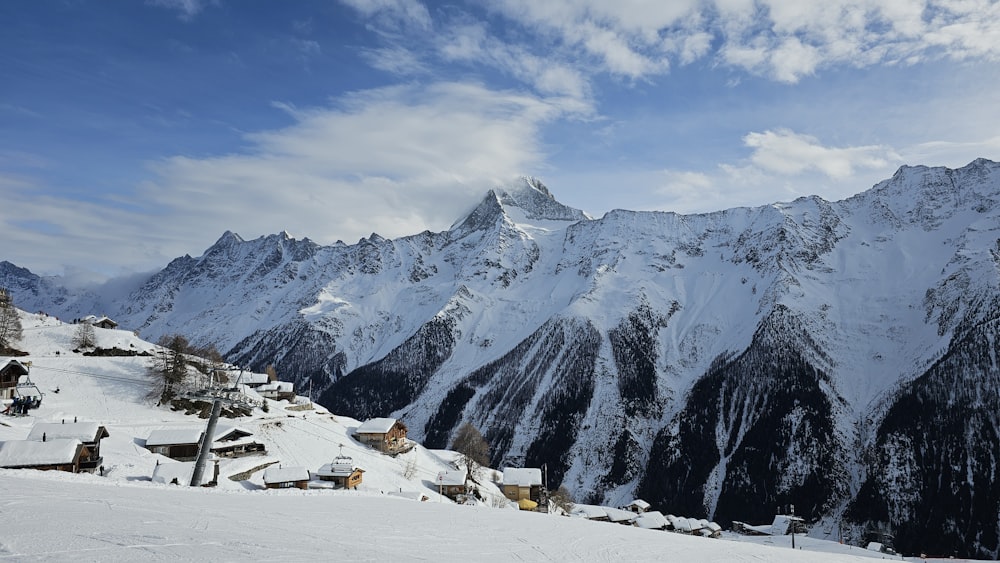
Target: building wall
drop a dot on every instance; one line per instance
(515, 493)
(288, 485)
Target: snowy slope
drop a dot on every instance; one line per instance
(123, 516)
(115, 392)
(721, 363)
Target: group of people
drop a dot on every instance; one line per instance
(20, 405)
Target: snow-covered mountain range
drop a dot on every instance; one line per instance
(840, 356)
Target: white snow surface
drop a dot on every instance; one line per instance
(126, 516)
(18, 453)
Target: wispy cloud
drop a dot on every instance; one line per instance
(395, 60)
(782, 39)
(394, 161)
(473, 43)
(780, 162)
(187, 9)
(394, 14)
(785, 152)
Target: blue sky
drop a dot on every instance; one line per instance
(133, 132)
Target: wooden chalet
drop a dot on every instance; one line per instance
(386, 435)
(524, 483)
(253, 380)
(591, 512)
(277, 391)
(452, 483)
(176, 443)
(233, 441)
(342, 472)
(89, 433)
(99, 322)
(50, 455)
(637, 506)
(105, 322)
(652, 520)
(604, 514)
(286, 478)
(10, 373)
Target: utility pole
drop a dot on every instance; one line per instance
(791, 509)
(206, 444)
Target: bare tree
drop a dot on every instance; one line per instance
(212, 364)
(410, 469)
(272, 374)
(473, 450)
(561, 498)
(170, 363)
(10, 321)
(85, 336)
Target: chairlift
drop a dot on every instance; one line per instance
(28, 392)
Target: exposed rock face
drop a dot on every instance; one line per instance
(841, 356)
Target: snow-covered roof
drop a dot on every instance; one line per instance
(683, 524)
(781, 524)
(15, 365)
(639, 503)
(376, 426)
(589, 511)
(341, 467)
(522, 476)
(167, 472)
(653, 520)
(329, 470)
(83, 431)
(29, 453)
(619, 515)
(170, 436)
(874, 546)
(450, 478)
(230, 433)
(285, 474)
(411, 495)
(248, 378)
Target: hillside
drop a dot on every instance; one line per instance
(122, 515)
(115, 391)
(718, 364)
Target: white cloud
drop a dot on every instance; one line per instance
(396, 60)
(187, 8)
(472, 43)
(786, 152)
(571, 42)
(399, 14)
(952, 153)
(781, 39)
(394, 161)
(783, 165)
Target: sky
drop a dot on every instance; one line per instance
(134, 132)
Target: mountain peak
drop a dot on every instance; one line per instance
(536, 201)
(227, 239)
(526, 195)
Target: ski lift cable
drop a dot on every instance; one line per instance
(94, 375)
